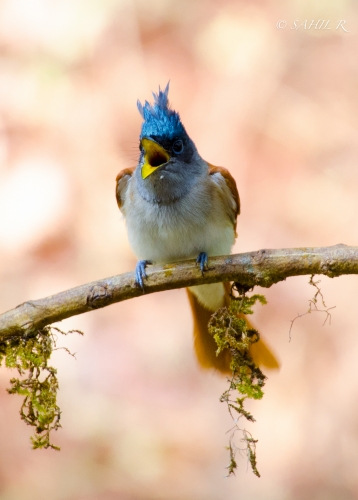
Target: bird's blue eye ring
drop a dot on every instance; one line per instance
(178, 147)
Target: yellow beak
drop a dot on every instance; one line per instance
(154, 157)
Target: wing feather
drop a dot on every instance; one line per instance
(121, 185)
(228, 190)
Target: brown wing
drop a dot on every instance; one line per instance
(121, 184)
(231, 194)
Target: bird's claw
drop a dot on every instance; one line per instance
(140, 273)
(202, 261)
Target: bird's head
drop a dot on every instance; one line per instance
(168, 160)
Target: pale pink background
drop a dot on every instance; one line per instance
(279, 108)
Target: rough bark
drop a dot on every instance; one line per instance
(263, 268)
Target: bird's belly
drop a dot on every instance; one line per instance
(171, 235)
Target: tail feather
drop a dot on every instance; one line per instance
(205, 345)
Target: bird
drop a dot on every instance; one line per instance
(177, 206)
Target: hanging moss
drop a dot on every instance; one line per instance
(232, 331)
(38, 383)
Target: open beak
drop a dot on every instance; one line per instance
(154, 156)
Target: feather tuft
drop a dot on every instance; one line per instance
(159, 119)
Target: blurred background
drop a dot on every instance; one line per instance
(278, 107)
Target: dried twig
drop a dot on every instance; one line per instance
(313, 306)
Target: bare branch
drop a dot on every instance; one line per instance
(263, 268)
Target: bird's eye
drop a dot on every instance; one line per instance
(178, 147)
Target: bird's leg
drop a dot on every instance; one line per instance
(202, 261)
(140, 273)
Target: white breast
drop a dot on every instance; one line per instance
(197, 223)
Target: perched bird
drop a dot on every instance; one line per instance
(177, 206)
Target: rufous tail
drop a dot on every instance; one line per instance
(205, 345)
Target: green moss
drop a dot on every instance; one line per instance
(38, 383)
(231, 330)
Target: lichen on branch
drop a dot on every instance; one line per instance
(37, 382)
(232, 331)
(27, 340)
(263, 268)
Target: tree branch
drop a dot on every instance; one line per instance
(263, 268)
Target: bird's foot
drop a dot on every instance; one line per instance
(140, 273)
(202, 261)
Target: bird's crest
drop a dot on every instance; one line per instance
(159, 119)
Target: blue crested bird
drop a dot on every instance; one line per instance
(177, 206)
